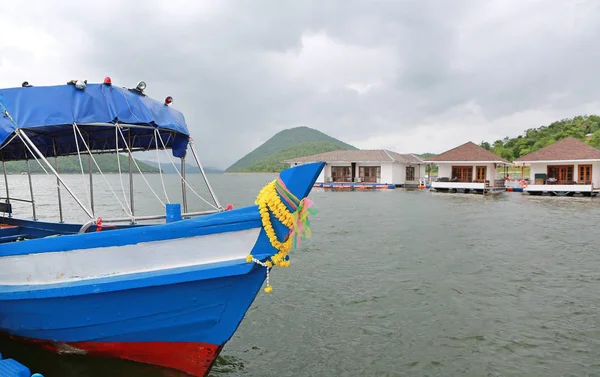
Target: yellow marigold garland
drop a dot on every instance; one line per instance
(268, 201)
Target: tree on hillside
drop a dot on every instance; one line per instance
(534, 139)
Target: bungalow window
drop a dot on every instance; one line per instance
(340, 173)
(560, 174)
(369, 173)
(462, 173)
(585, 174)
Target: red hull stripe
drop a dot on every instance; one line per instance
(193, 358)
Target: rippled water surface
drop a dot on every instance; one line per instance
(404, 283)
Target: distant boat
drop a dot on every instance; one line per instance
(170, 293)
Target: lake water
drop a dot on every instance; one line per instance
(398, 283)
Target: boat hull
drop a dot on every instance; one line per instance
(195, 359)
(181, 326)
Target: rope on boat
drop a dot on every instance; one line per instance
(125, 209)
(80, 162)
(7, 115)
(164, 147)
(130, 213)
(182, 178)
(269, 202)
(33, 154)
(159, 166)
(138, 168)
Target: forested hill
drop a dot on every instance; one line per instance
(70, 164)
(287, 144)
(583, 127)
(425, 156)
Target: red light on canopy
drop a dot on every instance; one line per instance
(168, 100)
(107, 81)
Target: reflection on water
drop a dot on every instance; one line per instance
(227, 365)
(407, 283)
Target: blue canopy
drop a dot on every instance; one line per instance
(47, 114)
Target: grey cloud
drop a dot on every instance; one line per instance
(227, 68)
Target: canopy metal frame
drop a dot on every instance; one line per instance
(48, 168)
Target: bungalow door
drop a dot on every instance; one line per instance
(369, 173)
(340, 173)
(563, 174)
(410, 173)
(585, 174)
(462, 173)
(480, 173)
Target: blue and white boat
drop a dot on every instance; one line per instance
(169, 293)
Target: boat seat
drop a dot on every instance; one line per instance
(6, 208)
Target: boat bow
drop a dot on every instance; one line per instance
(170, 294)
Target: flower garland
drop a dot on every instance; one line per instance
(269, 201)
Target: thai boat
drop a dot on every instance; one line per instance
(168, 289)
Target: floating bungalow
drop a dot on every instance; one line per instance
(468, 168)
(366, 169)
(567, 167)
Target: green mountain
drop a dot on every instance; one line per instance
(583, 127)
(425, 156)
(70, 164)
(286, 144)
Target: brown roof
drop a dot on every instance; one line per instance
(360, 155)
(568, 148)
(467, 152)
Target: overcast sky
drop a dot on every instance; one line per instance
(410, 76)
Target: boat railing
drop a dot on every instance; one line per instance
(92, 222)
(127, 207)
(17, 199)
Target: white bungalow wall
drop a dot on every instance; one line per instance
(391, 172)
(394, 172)
(399, 172)
(445, 170)
(542, 168)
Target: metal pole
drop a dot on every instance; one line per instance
(183, 188)
(26, 139)
(60, 212)
(6, 183)
(130, 173)
(91, 183)
(31, 190)
(212, 193)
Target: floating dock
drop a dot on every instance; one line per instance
(355, 186)
(379, 186)
(12, 368)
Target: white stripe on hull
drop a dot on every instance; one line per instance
(83, 264)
